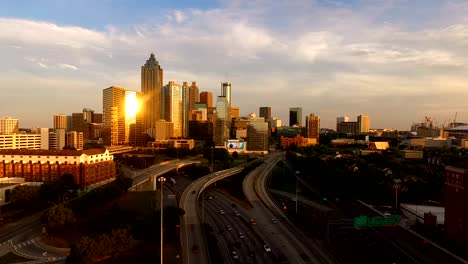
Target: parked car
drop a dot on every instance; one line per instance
(267, 248)
(195, 249)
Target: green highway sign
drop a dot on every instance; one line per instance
(376, 221)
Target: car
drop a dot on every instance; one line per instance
(234, 255)
(195, 249)
(387, 214)
(267, 248)
(274, 221)
(236, 213)
(210, 197)
(283, 259)
(241, 235)
(221, 212)
(252, 221)
(252, 253)
(228, 228)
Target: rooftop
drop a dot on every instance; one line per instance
(41, 152)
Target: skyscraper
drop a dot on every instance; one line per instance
(88, 115)
(174, 109)
(364, 123)
(223, 118)
(313, 126)
(207, 97)
(193, 96)
(295, 116)
(60, 121)
(265, 112)
(114, 115)
(226, 91)
(257, 134)
(151, 86)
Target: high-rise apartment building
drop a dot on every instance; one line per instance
(9, 125)
(223, 118)
(174, 110)
(295, 116)
(151, 86)
(364, 123)
(226, 91)
(114, 115)
(60, 121)
(207, 97)
(265, 112)
(313, 126)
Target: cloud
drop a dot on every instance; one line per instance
(68, 66)
(333, 59)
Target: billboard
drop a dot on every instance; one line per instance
(235, 145)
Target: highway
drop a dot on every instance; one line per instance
(284, 236)
(191, 231)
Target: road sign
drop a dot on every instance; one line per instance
(376, 221)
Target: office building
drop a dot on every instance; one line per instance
(223, 118)
(88, 115)
(186, 111)
(38, 139)
(456, 205)
(364, 123)
(133, 118)
(298, 140)
(313, 126)
(60, 121)
(9, 125)
(257, 135)
(207, 97)
(193, 96)
(234, 112)
(275, 123)
(69, 123)
(164, 130)
(88, 167)
(226, 91)
(295, 116)
(151, 87)
(77, 122)
(114, 116)
(265, 112)
(57, 139)
(174, 110)
(341, 119)
(347, 128)
(74, 140)
(201, 130)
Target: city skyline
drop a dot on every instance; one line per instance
(330, 58)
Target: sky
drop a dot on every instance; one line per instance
(394, 60)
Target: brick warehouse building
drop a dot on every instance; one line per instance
(88, 167)
(456, 205)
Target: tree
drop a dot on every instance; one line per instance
(24, 195)
(58, 217)
(235, 155)
(89, 250)
(67, 182)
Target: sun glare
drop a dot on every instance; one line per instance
(132, 106)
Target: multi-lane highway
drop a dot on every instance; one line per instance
(284, 236)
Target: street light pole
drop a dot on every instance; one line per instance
(162, 179)
(297, 187)
(396, 186)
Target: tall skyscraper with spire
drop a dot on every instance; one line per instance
(151, 86)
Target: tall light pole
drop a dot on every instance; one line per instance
(162, 180)
(396, 185)
(212, 158)
(297, 186)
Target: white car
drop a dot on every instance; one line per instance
(221, 212)
(236, 213)
(228, 228)
(234, 255)
(267, 248)
(241, 235)
(274, 220)
(387, 214)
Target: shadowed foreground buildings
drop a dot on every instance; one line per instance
(456, 205)
(88, 167)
